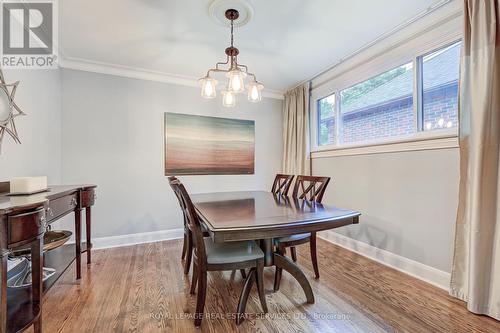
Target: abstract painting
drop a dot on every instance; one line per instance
(200, 145)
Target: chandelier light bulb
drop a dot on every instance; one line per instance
(255, 91)
(236, 77)
(449, 124)
(428, 126)
(228, 99)
(208, 87)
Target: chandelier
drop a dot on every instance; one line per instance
(236, 74)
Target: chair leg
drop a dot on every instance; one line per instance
(202, 293)
(184, 246)
(294, 253)
(242, 303)
(260, 285)
(194, 280)
(189, 253)
(314, 257)
(243, 273)
(277, 274)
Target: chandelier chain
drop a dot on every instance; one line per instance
(232, 38)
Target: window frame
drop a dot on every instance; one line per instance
(317, 125)
(420, 84)
(419, 134)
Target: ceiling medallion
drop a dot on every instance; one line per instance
(8, 110)
(236, 73)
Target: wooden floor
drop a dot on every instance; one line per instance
(142, 289)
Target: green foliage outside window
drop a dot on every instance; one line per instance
(326, 107)
(350, 95)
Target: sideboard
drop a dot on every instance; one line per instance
(24, 220)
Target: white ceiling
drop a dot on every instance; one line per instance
(285, 42)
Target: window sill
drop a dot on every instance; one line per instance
(440, 140)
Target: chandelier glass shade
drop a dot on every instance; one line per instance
(208, 87)
(235, 73)
(255, 91)
(228, 98)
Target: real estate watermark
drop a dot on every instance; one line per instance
(330, 316)
(29, 34)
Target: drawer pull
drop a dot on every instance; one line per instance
(50, 212)
(73, 202)
(42, 222)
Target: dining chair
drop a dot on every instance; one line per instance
(209, 256)
(309, 188)
(187, 246)
(281, 184)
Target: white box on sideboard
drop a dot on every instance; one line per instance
(28, 184)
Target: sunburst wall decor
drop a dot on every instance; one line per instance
(8, 110)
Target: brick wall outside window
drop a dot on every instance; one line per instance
(396, 118)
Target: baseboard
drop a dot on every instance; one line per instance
(423, 272)
(139, 238)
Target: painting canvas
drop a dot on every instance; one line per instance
(200, 145)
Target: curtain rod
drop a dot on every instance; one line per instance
(386, 35)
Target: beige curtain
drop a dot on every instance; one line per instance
(296, 159)
(476, 263)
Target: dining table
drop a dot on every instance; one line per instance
(263, 216)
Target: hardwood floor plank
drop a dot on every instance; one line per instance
(142, 288)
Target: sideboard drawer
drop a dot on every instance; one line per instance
(26, 226)
(88, 198)
(61, 206)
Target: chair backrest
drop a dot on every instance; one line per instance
(171, 180)
(281, 184)
(310, 188)
(191, 218)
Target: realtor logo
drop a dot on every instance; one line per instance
(28, 34)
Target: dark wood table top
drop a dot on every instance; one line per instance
(232, 216)
(8, 202)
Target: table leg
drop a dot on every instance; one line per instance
(286, 264)
(78, 242)
(37, 281)
(88, 213)
(3, 291)
(267, 246)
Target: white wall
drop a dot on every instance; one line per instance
(408, 200)
(38, 95)
(112, 135)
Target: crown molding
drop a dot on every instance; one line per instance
(141, 74)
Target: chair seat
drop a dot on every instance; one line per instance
(292, 238)
(231, 252)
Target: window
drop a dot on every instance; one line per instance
(440, 74)
(326, 124)
(383, 107)
(380, 107)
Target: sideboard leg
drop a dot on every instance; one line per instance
(37, 280)
(88, 218)
(3, 291)
(78, 242)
